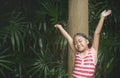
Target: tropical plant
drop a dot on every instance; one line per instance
(50, 51)
(5, 63)
(109, 37)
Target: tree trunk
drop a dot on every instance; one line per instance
(78, 22)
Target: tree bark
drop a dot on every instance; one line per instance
(78, 22)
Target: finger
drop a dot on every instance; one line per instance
(104, 12)
(109, 12)
(55, 25)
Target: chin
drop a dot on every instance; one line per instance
(81, 50)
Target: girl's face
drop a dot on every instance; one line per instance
(81, 44)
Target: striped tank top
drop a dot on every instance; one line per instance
(84, 67)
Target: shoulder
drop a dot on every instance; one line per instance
(93, 50)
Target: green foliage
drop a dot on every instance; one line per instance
(5, 63)
(109, 45)
(13, 31)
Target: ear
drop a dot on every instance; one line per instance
(87, 41)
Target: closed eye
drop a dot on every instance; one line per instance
(80, 41)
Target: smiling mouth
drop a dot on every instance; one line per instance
(80, 47)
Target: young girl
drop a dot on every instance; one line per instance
(85, 56)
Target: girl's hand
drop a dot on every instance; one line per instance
(58, 25)
(105, 13)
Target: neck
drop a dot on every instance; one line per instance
(84, 53)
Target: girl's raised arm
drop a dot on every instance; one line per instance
(66, 35)
(97, 32)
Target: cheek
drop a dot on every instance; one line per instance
(84, 43)
(75, 46)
